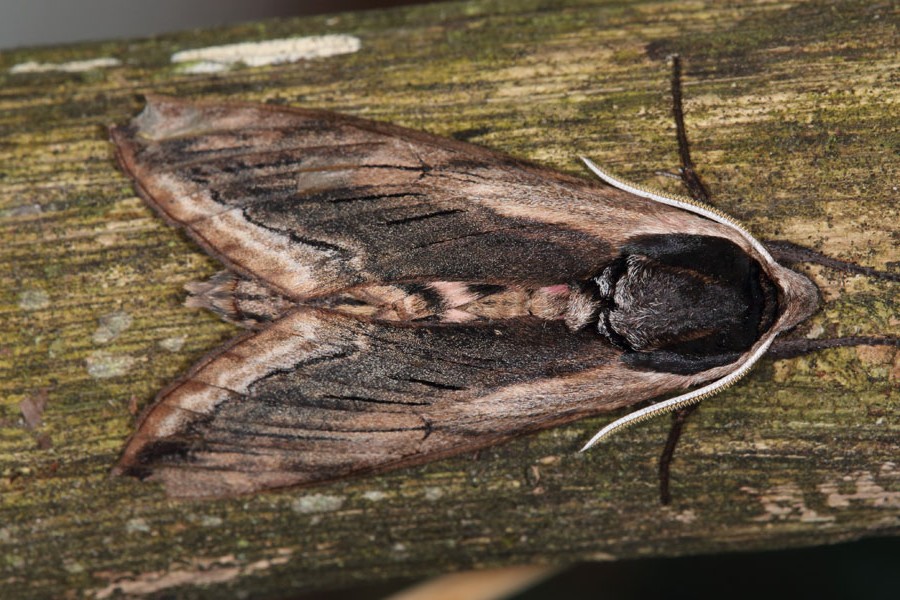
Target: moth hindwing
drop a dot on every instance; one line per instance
(410, 297)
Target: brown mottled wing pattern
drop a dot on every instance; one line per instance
(309, 204)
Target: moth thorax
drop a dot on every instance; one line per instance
(692, 296)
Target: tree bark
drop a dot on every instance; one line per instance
(791, 111)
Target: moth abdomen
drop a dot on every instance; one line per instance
(252, 304)
(241, 301)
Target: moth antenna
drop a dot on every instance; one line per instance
(678, 402)
(681, 202)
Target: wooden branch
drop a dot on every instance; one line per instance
(791, 110)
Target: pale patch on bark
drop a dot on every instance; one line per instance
(35, 299)
(74, 66)
(200, 571)
(111, 326)
(317, 503)
(785, 502)
(214, 59)
(102, 364)
(865, 489)
(172, 344)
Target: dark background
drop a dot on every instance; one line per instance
(43, 22)
(865, 570)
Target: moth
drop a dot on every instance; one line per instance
(409, 297)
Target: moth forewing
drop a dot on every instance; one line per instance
(413, 297)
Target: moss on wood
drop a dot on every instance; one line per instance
(791, 108)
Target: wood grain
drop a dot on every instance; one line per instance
(791, 108)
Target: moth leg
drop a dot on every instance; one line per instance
(689, 176)
(791, 348)
(788, 253)
(668, 453)
(700, 193)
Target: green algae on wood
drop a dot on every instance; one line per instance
(791, 125)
